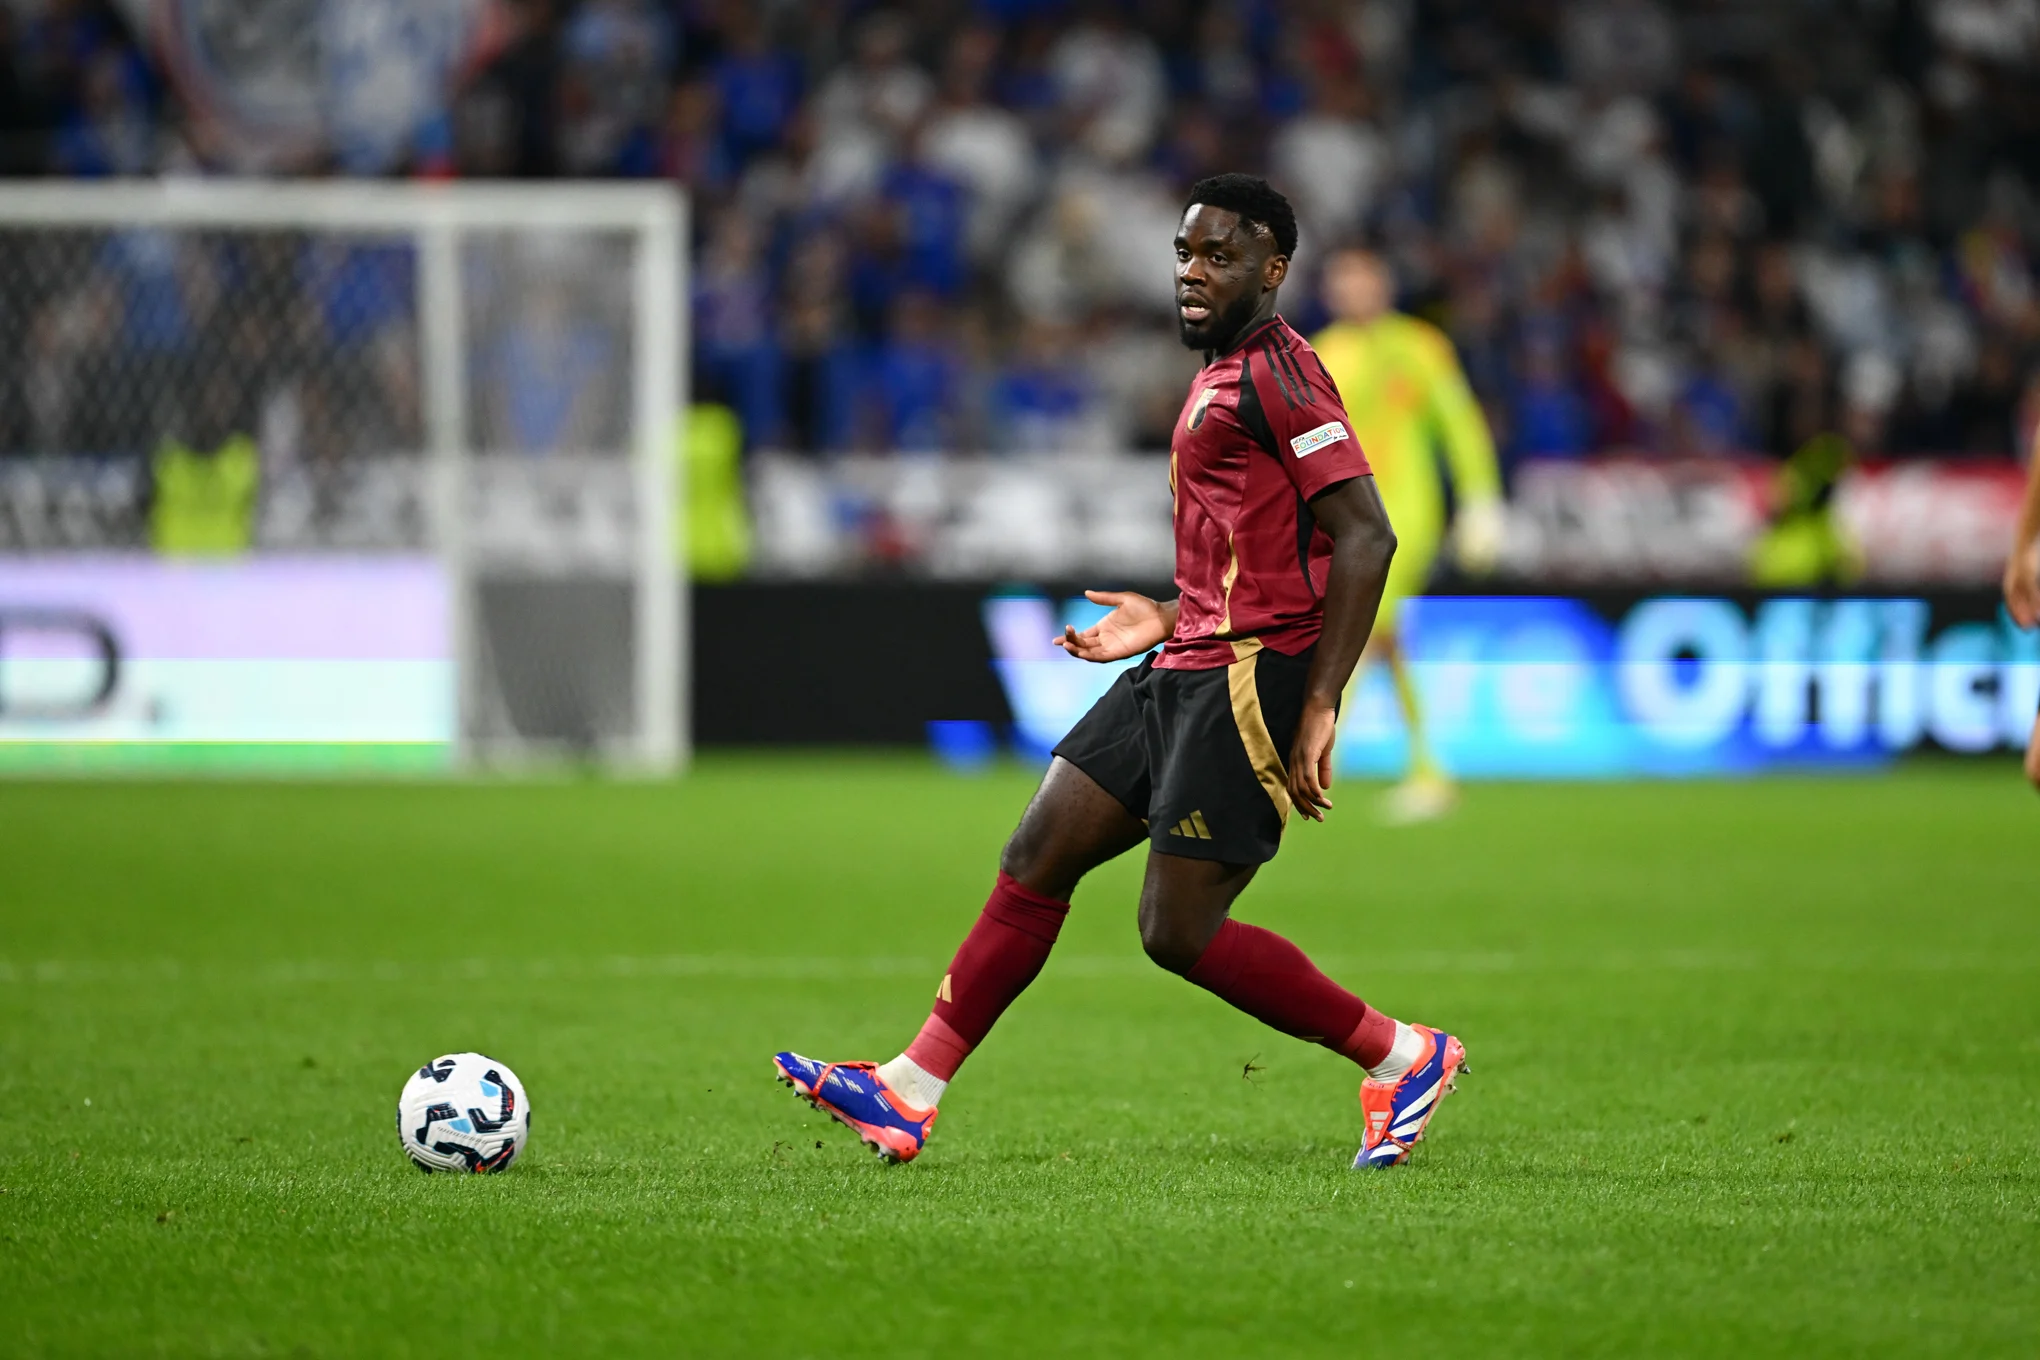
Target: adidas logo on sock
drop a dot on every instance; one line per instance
(1192, 826)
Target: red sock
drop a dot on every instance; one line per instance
(1002, 954)
(1275, 982)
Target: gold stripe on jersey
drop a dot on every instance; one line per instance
(1232, 574)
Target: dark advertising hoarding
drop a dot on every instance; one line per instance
(1600, 684)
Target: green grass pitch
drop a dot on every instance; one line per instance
(1755, 1070)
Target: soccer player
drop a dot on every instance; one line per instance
(1410, 402)
(2022, 582)
(1282, 549)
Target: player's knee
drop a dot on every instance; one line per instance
(2033, 764)
(1169, 944)
(1028, 859)
(1169, 950)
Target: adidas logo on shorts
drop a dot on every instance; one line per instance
(1192, 826)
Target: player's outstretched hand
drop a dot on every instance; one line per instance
(2022, 585)
(1310, 761)
(1135, 624)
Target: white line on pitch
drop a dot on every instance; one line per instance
(292, 972)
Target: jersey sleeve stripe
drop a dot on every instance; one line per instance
(1281, 375)
(1331, 388)
(1288, 357)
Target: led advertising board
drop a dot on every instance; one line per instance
(297, 663)
(1543, 687)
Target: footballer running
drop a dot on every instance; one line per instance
(1226, 726)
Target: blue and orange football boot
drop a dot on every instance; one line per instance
(1398, 1111)
(854, 1095)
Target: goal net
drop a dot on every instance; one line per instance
(330, 467)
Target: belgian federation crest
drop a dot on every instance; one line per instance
(1197, 408)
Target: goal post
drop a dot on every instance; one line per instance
(489, 378)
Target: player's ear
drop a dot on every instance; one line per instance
(1273, 272)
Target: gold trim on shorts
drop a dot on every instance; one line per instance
(1253, 726)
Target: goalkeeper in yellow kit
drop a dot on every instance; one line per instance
(1409, 403)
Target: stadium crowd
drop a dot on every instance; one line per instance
(1701, 228)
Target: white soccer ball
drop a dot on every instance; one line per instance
(463, 1112)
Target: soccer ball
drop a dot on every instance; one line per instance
(463, 1112)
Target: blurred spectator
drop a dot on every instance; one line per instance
(1984, 414)
(1109, 84)
(1057, 271)
(915, 381)
(691, 149)
(736, 362)
(1332, 160)
(1800, 402)
(1140, 371)
(516, 107)
(931, 209)
(978, 144)
(1708, 417)
(1043, 402)
(803, 178)
(1620, 44)
(1194, 146)
(110, 131)
(1548, 418)
(618, 54)
(759, 85)
(1870, 384)
(2001, 31)
(879, 94)
(1224, 75)
(1777, 152)
(1698, 227)
(819, 376)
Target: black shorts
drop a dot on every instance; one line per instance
(1199, 755)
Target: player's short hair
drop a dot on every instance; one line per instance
(1255, 200)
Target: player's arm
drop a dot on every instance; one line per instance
(1135, 625)
(2022, 566)
(1469, 446)
(1351, 514)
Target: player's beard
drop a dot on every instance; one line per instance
(1219, 329)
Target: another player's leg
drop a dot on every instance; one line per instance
(1187, 928)
(1426, 791)
(2033, 755)
(1071, 826)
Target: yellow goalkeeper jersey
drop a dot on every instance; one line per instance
(1409, 403)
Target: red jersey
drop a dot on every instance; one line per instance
(1262, 432)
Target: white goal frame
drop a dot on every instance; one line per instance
(435, 217)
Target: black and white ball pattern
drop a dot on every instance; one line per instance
(463, 1112)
